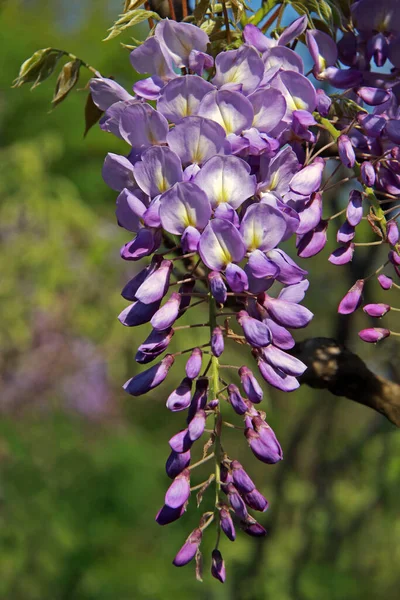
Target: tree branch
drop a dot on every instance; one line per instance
(333, 367)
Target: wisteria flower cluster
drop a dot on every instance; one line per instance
(226, 163)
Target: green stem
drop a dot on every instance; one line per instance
(214, 389)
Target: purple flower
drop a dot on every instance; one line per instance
(168, 515)
(181, 97)
(385, 282)
(148, 380)
(376, 310)
(179, 39)
(352, 300)
(255, 500)
(221, 244)
(196, 425)
(237, 402)
(243, 66)
(227, 524)
(231, 110)
(176, 463)
(374, 334)
(287, 314)
(250, 385)
(218, 566)
(354, 208)
(179, 490)
(242, 481)
(217, 287)
(184, 205)
(217, 341)
(155, 286)
(196, 139)
(346, 151)
(154, 345)
(193, 365)
(180, 398)
(189, 549)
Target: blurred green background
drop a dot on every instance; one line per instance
(82, 464)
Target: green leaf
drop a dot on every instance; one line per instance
(67, 79)
(132, 4)
(129, 19)
(263, 11)
(38, 67)
(201, 10)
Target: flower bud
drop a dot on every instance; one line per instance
(385, 282)
(217, 341)
(168, 313)
(156, 285)
(181, 442)
(193, 365)
(241, 480)
(268, 451)
(134, 284)
(257, 334)
(394, 258)
(180, 398)
(250, 385)
(236, 501)
(199, 399)
(176, 463)
(217, 566)
(190, 239)
(227, 524)
(148, 380)
(373, 334)
(189, 549)
(312, 242)
(251, 527)
(256, 500)
(346, 151)
(352, 300)
(342, 255)
(354, 210)
(392, 233)
(237, 402)
(323, 103)
(368, 175)
(376, 310)
(138, 313)
(154, 345)
(217, 287)
(168, 515)
(197, 425)
(236, 278)
(373, 96)
(179, 490)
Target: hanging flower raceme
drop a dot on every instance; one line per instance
(223, 167)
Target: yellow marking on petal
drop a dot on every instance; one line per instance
(162, 184)
(274, 181)
(225, 255)
(299, 103)
(188, 218)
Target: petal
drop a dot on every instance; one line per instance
(229, 109)
(242, 66)
(196, 139)
(226, 179)
(142, 126)
(221, 244)
(181, 97)
(184, 205)
(158, 170)
(263, 227)
(269, 107)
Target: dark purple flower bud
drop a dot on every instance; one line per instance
(197, 425)
(217, 342)
(179, 490)
(346, 151)
(190, 239)
(181, 442)
(354, 209)
(394, 258)
(323, 103)
(176, 463)
(250, 385)
(236, 278)
(251, 527)
(392, 130)
(218, 566)
(256, 500)
(374, 334)
(373, 96)
(155, 286)
(376, 310)
(392, 233)
(138, 313)
(168, 313)
(180, 398)
(256, 332)
(146, 242)
(199, 61)
(242, 481)
(148, 380)
(184, 290)
(154, 345)
(378, 47)
(236, 400)
(368, 175)
(199, 399)
(217, 287)
(266, 449)
(385, 282)
(236, 501)
(213, 404)
(189, 549)
(227, 524)
(226, 475)
(277, 377)
(167, 515)
(133, 285)
(345, 233)
(193, 365)
(342, 255)
(312, 242)
(352, 300)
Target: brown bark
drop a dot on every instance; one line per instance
(333, 367)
